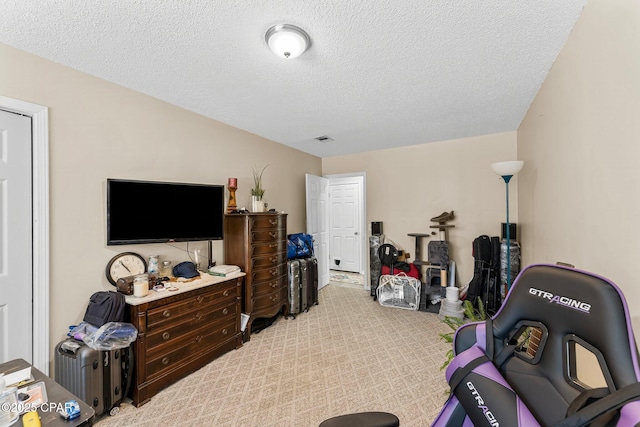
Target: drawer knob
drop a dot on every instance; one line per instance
(274, 284)
(273, 259)
(273, 298)
(226, 293)
(166, 336)
(200, 299)
(198, 316)
(165, 361)
(225, 311)
(198, 338)
(273, 246)
(273, 222)
(225, 332)
(166, 313)
(274, 272)
(273, 235)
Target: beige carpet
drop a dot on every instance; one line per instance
(347, 354)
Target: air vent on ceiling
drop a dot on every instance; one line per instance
(324, 138)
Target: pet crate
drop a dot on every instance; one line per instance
(399, 291)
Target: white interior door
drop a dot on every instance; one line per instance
(16, 257)
(345, 250)
(318, 223)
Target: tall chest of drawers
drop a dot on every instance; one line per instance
(179, 332)
(257, 243)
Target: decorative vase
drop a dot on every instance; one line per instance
(257, 204)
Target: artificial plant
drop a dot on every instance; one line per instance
(470, 315)
(257, 189)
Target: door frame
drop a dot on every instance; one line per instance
(363, 220)
(40, 222)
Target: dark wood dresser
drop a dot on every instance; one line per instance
(181, 331)
(257, 243)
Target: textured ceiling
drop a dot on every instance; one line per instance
(379, 73)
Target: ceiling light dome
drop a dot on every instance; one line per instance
(287, 41)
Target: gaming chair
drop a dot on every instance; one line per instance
(533, 362)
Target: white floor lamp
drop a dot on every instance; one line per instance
(506, 170)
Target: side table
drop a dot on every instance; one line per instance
(56, 396)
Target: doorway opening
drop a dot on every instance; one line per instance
(347, 231)
(352, 187)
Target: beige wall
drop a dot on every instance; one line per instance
(99, 130)
(408, 186)
(580, 188)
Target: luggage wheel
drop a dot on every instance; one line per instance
(114, 411)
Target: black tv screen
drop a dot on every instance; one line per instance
(158, 212)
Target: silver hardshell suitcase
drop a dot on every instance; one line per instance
(294, 280)
(95, 376)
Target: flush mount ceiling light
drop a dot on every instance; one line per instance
(287, 41)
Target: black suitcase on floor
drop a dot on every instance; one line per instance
(312, 281)
(99, 378)
(294, 283)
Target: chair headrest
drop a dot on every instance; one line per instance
(569, 301)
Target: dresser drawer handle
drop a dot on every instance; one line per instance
(273, 259)
(225, 311)
(274, 272)
(198, 316)
(225, 332)
(166, 336)
(226, 293)
(274, 245)
(274, 285)
(165, 361)
(199, 299)
(273, 235)
(273, 298)
(273, 222)
(166, 313)
(198, 339)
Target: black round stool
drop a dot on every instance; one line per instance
(363, 419)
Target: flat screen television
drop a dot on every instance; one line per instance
(160, 212)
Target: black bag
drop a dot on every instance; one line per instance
(484, 285)
(105, 307)
(481, 251)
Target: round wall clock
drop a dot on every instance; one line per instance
(125, 264)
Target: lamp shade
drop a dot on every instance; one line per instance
(287, 41)
(507, 168)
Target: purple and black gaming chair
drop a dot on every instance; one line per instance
(500, 378)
